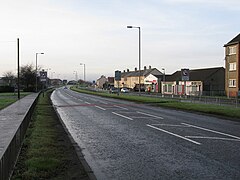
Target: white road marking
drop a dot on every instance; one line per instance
(122, 116)
(170, 125)
(176, 135)
(120, 107)
(102, 102)
(100, 108)
(87, 102)
(210, 130)
(158, 117)
(216, 138)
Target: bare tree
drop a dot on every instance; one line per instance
(9, 78)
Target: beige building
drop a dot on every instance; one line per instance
(130, 79)
(101, 81)
(232, 62)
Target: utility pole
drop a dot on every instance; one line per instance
(18, 81)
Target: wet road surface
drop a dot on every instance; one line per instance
(125, 140)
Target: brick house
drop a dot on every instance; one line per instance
(232, 64)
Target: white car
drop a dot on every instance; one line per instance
(125, 90)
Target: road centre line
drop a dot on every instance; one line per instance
(215, 138)
(158, 117)
(170, 125)
(87, 102)
(122, 116)
(100, 108)
(176, 135)
(120, 107)
(210, 130)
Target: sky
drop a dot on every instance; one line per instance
(175, 34)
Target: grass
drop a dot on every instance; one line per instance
(7, 99)
(47, 152)
(203, 108)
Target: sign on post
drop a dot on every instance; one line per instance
(185, 74)
(118, 75)
(43, 76)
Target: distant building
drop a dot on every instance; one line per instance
(209, 81)
(232, 64)
(55, 82)
(101, 81)
(148, 78)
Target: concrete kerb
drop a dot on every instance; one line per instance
(77, 149)
(19, 124)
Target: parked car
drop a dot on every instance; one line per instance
(124, 90)
(113, 90)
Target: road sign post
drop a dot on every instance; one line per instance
(185, 77)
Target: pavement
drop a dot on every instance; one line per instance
(11, 118)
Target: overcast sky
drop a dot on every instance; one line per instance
(175, 34)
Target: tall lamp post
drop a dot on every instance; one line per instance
(163, 80)
(36, 69)
(139, 56)
(84, 71)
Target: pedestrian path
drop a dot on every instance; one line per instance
(14, 121)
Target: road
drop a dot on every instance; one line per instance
(125, 140)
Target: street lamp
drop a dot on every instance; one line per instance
(163, 74)
(84, 71)
(139, 56)
(36, 69)
(76, 76)
(163, 80)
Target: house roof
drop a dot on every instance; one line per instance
(233, 41)
(144, 73)
(195, 74)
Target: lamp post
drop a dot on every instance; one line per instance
(163, 80)
(139, 56)
(76, 76)
(84, 71)
(36, 68)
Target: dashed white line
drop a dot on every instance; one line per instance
(176, 135)
(158, 117)
(100, 108)
(215, 138)
(122, 116)
(120, 107)
(210, 130)
(87, 102)
(170, 125)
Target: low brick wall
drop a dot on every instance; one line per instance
(14, 121)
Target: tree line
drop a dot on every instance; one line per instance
(27, 78)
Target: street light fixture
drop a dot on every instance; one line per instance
(84, 71)
(139, 56)
(36, 69)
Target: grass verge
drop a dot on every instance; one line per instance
(203, 108)
(47, 152)
(7, 99)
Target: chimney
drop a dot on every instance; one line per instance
(135, 69)
(150, 67)
(145, 68)
(127, 70)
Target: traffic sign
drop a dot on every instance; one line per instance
(185, 74)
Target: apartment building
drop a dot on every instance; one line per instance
(232, 62)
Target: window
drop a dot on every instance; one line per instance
(232, 66)
(231, 50)
(232, 82)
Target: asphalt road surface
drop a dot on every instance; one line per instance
(126, 140)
